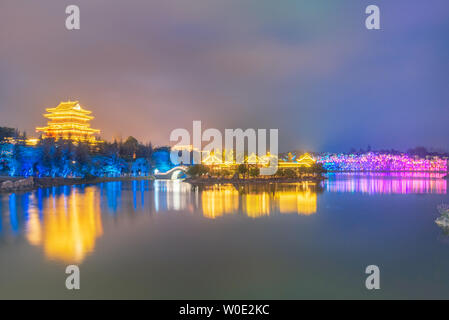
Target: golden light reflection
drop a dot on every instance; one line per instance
(259, 201)
(69, 228)
(219, 200)
(34, 230)
(67, 225)
(301, 202)
(257, 205)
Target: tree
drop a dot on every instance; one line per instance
(254, 172)
(242, 169)
(6, 151)
(7, 133)
(82, 160)
(129, 148)
(198, 170)
(318, 168)
(44, 166)
(418, 151)
(225, 173)
(140, 167)
(289, 173)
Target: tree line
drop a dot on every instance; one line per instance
(251, 171)
(66, 158)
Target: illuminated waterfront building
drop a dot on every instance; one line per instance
(69, 121)
(368, 162)
(187, 147)
(29, 142)
(32, 142)
(305, 160)
(381, 162)
(211, 159)
(214, 158)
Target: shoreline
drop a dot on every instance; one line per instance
(213, 181)
(384, 171)
(21, 184)
(16, 184)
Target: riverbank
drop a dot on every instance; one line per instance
(237, 181)
(14, 184)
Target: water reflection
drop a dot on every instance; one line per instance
(172, 195)
(259, 200)
(217, 201)
(302, 202)
(66, 222)
(387, 183)
(71, 224)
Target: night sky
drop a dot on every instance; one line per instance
(309, 68)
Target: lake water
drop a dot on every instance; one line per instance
(165, 240)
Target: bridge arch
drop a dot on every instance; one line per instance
(172, 174)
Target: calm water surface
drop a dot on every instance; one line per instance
(165, 240)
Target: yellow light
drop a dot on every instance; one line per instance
(226, 160)
(187, 147)
(212, 159)
(257, 204)
(300, 202)
(220, 200)
(68, 232)
(304, 161)
(69, 121)
(32, 142)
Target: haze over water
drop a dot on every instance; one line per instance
(164, 239)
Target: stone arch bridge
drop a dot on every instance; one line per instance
(172, 174)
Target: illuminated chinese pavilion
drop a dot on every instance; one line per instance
(304, 161)
(69, 121)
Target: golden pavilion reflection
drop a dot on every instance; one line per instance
(33, 228)
(219, 200)
(259, 200)
(301, 202)
(256, 204)
(70, 227)
(66, 221)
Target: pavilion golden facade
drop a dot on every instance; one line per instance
(69, 121)
(214, 158)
